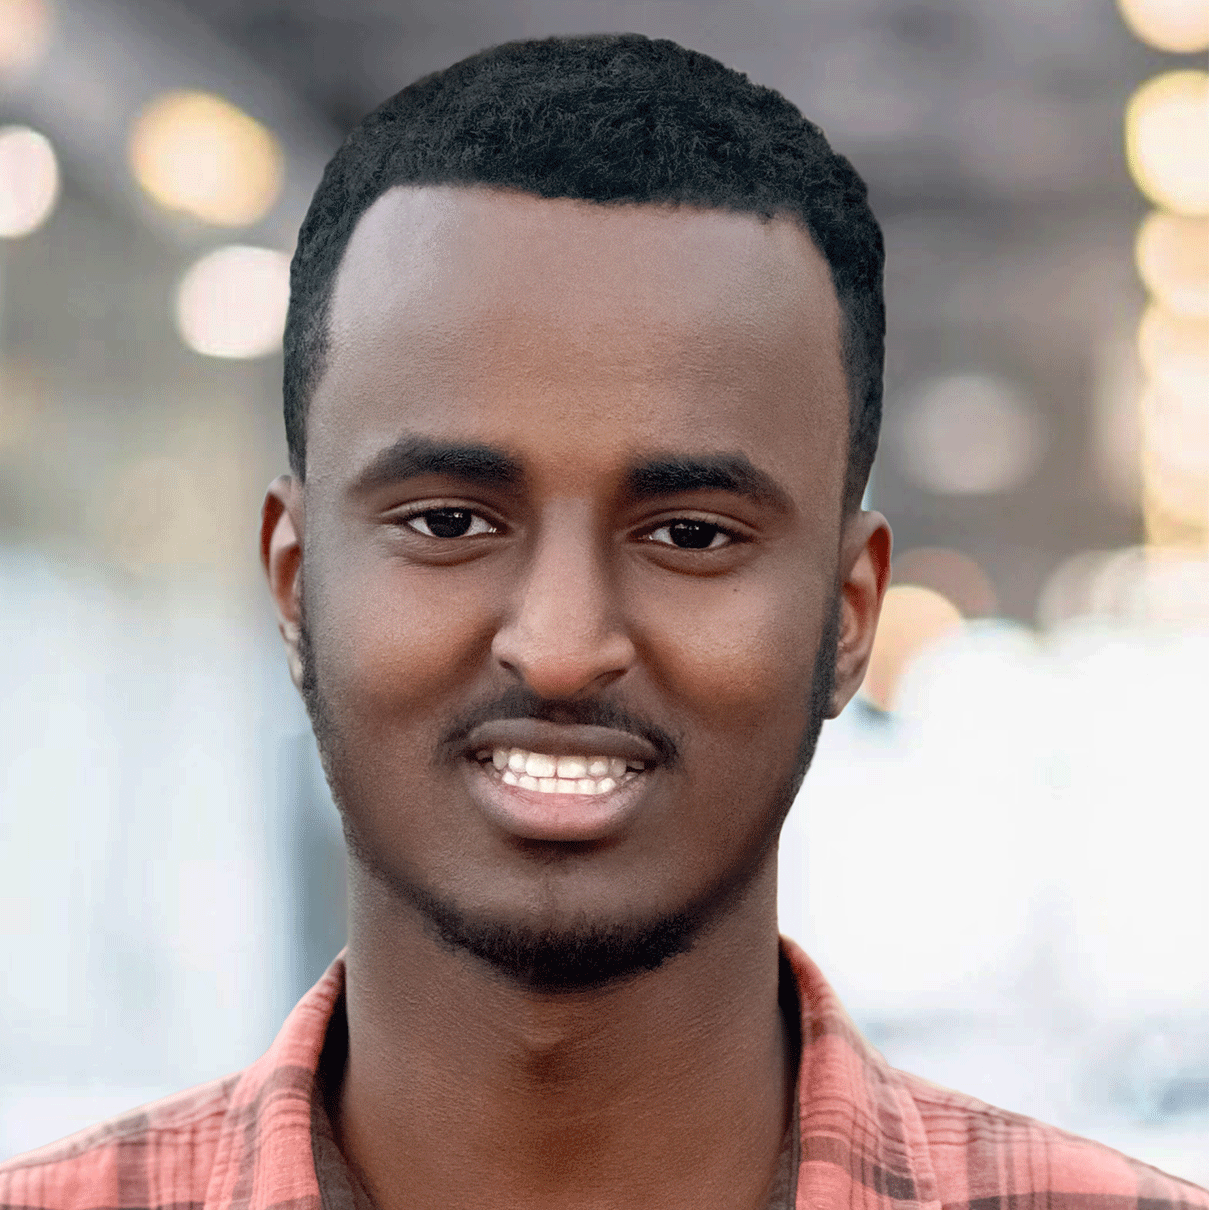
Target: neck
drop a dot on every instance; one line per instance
(463, 1088)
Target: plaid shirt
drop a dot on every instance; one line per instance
(872, 1138)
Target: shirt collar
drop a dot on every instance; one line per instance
(862, 1141)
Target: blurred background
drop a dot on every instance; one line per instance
(1026, 770)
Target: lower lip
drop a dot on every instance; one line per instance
(534, 815)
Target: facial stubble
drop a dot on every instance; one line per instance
(588, 954)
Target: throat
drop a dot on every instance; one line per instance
(656, 1088)
(647, 1093)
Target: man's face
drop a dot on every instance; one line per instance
(569, 549)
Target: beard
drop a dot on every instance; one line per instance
(583, 955)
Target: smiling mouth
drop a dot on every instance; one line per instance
(545, 773)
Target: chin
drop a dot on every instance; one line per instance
(582, 955)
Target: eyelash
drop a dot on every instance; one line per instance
(733, 537)
(417, 514)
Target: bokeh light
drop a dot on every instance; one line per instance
(1173, 422)
(955, 575)
(1175, 485)
(29, 180)
(232, 302)
(1069, 590)
(1173, 258)
(1179, 26)
(197, 153)
(970, 434)
(1173, 350)
(25, 32)
(913, 618)
(1166, 141)
(1174, 468)
(1145, 585)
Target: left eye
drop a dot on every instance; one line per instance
(449, 523)
(687, 534)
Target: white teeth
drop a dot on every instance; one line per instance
(538, 764)
(562, 774)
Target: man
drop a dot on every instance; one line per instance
(582, 387)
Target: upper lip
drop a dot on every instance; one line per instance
(556, 739)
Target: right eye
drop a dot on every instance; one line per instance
(449, 523)
(687, 533)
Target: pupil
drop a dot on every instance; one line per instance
(448, 522)
(692, 535)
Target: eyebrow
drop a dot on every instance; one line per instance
(732, 473)
(483, 465)
(411, 456)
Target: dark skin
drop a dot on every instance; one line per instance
(584, 345)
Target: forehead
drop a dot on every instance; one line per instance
(477, 312)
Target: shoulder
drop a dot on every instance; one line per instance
(986, 1158)
(159, 1155)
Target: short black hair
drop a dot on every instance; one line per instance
(609, 118)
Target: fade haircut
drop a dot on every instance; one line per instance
(609, 118)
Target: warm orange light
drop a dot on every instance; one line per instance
(1173, 350)
(1173, 421)
(198, 153)
(955, 575)
(1175, 488)
(1179, 26)
(1166, 141)
(913, 618)
(1173, 260)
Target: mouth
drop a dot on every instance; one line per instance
(543, 781)
(550, 773)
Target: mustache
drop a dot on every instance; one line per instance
(519, 702)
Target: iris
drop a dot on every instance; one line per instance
(692, 535)
(448, 522)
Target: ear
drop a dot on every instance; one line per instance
(865, 571)
(281, 555)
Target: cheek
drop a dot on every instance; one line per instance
(395, 642)
(740, 656)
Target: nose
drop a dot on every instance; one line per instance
(563, 633)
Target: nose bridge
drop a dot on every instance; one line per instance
(564, 631)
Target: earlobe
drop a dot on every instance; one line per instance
(281, 551)
(865, 572)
